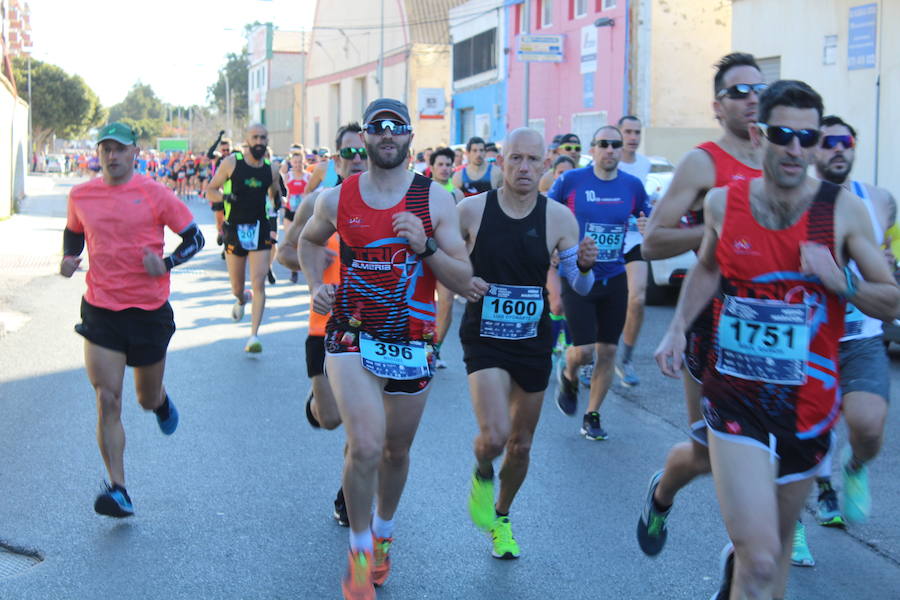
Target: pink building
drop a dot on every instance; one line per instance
(587, 88)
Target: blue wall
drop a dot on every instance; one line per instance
(483, 101)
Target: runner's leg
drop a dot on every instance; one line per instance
(525, 409)
(490, 390)
(106, 370)
(601, 379)
(237, 274)
(259, 267)
(637, 289)
(865, 414)
(402, 415)
(324, 406)
(148, 384)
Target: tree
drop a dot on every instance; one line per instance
(140, 103)
(62, 105)
(237, 67)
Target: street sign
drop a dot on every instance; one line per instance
(862, 36)
(540, 48)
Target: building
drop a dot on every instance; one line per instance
(14, 156)
(844, 50)
(478, 30)
(353, 59)
(16, 28)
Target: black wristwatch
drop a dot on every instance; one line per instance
(430, 248)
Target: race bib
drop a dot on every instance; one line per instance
(853, 320)
(248, 235)
(608, 239)
(293, 201)
(394, 360)
(511, 312)
(763, 340)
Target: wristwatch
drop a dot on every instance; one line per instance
(430, 248)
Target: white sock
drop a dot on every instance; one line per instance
(361, 541)
(382, 528)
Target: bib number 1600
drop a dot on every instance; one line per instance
(514, 307)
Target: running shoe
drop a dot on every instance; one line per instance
(828, 513)
(567, 394)
(505, 546)
(651, 528)
(113, 502)
(254, 346)
(855, 497)
(294, 277)
(219, 239)
(382, 567)
(358, 583)
(170, 424)
(726, 564)
(438, 362)
(313, 421)
(591, 428)
(481, 502)
(625, 371)
(800, 554)
(271, 277)
(340, 509)
(237, 311)
(584, 375)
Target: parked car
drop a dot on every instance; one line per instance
(661, 171)
(55, 163)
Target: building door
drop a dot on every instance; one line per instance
(466, 125)
(585, 124)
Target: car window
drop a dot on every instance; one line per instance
(661, 168)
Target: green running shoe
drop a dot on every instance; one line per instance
(481, 502)
(505, 546)
(828, 513)
(855, 497)
(800, 554)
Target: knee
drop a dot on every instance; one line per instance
(364, 452)
(758, 566)
(109, 401)
(329, 422)
(636, 300)
(518, 449)
(700, 458)
(150, 401)
(583, 354)
(490, 444)
(395, 456)
(556, 306)
(605, 353)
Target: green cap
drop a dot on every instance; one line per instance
(117, 131)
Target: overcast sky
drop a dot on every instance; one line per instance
(176, 46)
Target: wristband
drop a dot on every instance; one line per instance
(851, 284)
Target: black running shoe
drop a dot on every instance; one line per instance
(651, 529)
(340, 510)
(567, 395)
(271, 277)
(726, 562)
(113, 502)
(313, 421)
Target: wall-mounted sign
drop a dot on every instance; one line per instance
(431, 103)
(588, 49)
(540, 48)
(862, 36)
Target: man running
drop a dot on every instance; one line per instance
(676, 227)
(603, 200)
(770, 390)
(252, 180)
(126, 318)
(506, 332)
(569, 145)
(218, 208)
(478, 176)
(398, 230)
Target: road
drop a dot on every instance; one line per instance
(237, 503)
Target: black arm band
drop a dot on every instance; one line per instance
(218, 206)
(73, 243)
(192, 242)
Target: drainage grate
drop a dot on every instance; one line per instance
(16, 560)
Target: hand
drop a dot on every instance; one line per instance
(323, 299)
(69, 265)
(816, 259)
(221, 134)
(587, 254)
(669, 352)
(153, 263)
(409, 226)
(478, 287)
(329, 257)
(642, 222)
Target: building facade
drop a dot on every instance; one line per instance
(14, 142)
(276, 59)
(16, 20)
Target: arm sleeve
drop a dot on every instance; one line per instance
(568, 268)
(192, 242)
(73, 242)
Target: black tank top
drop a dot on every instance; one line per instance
(510, 252)
(249, 189)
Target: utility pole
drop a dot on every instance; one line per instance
(525, 20)
(227, 103)
(381, 57)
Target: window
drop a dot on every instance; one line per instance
(475, 55)
(606, 4)
(580, 8)
(546, 13)
(770, 68)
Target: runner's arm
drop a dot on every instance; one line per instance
(451, 261)
(214, 189)
(192, 242)
(73, 242)
(316, 178)
(211, 153)
(288, 251)
(576, 259)
(314, 236)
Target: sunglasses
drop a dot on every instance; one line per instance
(739, 91)
(349, 153)
(571, 148)
(783, 135)
(607, 143)
(830, 141)
(396, 127)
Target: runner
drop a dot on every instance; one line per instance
(569, 145)
(295, 179)
(638, 165)
(767, 260)
(253, 180)
(675, 227)
(603, 200)
(126, 318)
(478, 175)
(506, 332)
(218, 208)
(398, 230)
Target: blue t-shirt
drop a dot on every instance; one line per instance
(603, 210)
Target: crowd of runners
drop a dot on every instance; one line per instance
(776, 335)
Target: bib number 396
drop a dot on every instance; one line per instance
(394, 360)
(511, 312)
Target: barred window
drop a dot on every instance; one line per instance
(475, 55)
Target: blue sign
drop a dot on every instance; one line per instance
(862, 36)
(588, 89)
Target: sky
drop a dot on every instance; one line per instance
(175, 46)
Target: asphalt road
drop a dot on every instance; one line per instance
(237, 503)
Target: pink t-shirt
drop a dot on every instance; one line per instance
(118, 223)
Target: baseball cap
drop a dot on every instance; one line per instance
(386, 105)
(556, 140)
(569, 138)
(117, 131)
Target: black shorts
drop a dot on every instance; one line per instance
(315, 355)
(633, 254)
(531, 373)
(141, 335)
(699, 343)
(289, 214)
(391, 386)
(598, 317)
(233, 244)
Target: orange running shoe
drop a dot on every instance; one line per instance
(357, 583)
(382, 567)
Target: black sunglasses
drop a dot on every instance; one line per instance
(382, 125)
(830, 141)
(783, 135)
(739, 91)
(349, 153)
(571, 148)
(607, 143)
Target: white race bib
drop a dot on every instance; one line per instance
(512, 312)
(248, 235)
(394, 360)
(608, 238)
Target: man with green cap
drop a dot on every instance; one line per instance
(126, 319)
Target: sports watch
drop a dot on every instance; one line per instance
(430, 248)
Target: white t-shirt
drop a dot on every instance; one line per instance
(640, 168)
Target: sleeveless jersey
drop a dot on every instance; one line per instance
(471, 187)
(727, 168)
(384, 284)
(331, 275)
(331, 177)
(775, 329)
(510, 252)
(249, 191)
(858, 325)
(295, 188)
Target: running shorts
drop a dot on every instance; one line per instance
(391, 386)
(531, 373)
(233, 244)
(864, 367)
(141, 335)
(598, 317)
(633, 254)
(315, 355)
